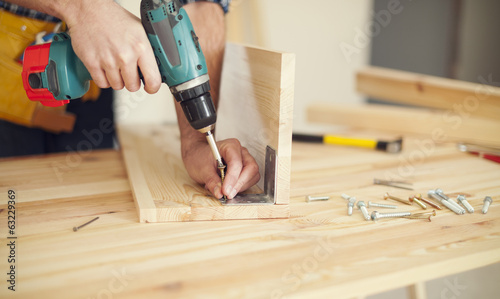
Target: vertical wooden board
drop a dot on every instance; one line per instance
(256, 107)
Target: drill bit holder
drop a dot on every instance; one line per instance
(269, 185)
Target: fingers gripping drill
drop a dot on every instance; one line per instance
(53, 74)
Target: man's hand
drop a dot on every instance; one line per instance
(112, 43)
(242, 171)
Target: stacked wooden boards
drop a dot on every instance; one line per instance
(448, 110)
(256, 108)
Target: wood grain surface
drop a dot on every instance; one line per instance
(162, 188)
(319, 252)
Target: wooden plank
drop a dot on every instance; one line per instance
(438, 125)
(257, 107)
(417, 291)
(163, 190)
(478, 99)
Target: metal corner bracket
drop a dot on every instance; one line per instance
(266, 198)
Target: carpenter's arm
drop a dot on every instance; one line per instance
(242, 170)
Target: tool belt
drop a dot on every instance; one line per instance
(17, 33)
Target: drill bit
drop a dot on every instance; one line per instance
(218, 158)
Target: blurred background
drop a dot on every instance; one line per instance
(332, 39)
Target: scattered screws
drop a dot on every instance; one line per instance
(362, 207)
(376, 215)
(434, 205)
(381, 205)
(413, 199)
(350, 205)
(446, 203)
(316, 198)
(465, 203)
(386, 196)
(487, 202)
(85, 224)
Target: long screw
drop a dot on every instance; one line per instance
(376, 215)
(316, 198)
(345, 196)
(441, 194)
(386, 196)
(381, 205)
(434, 205)
(428, 217)
(85, 224)
(413, 199)
(362, 207)
(465, 203)
(350, 205)
(487, 202)
(446, 203)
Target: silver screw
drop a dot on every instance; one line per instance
(445, 197)
(316, 198)
(465, 203)
(350, 205)
(487, 202)
(376, 215)
(381, 205)
(440, 192)
(345, 196)
(362, 207)
(445, 202)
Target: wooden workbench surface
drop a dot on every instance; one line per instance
(319, 252)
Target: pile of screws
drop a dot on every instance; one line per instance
(436, 194)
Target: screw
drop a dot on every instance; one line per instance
(487, 202)
(428, 217)
(434, 205)
(445, 202)
(433, 213)
(345, 196)
(465, 203)
(376, 215)
(316, 198)
(350, 205)
(418, 202)
(362, 207)
(380, 205)
(440, 192)
(86, 223)
(386, 196)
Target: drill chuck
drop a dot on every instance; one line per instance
(196, 102)
(200, 112)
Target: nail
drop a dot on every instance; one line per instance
(86, 223)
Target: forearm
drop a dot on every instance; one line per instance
(208, 22)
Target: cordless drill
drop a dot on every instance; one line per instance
(53, 74)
